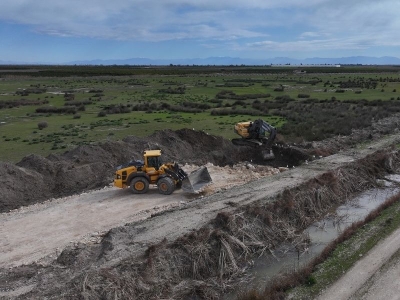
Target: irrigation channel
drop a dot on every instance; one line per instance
(289, 257)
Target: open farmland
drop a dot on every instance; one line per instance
(54, 109)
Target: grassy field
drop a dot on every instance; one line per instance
(80, 105)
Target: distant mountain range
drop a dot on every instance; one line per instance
(352, 60)
(363, 60)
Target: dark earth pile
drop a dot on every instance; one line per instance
(35, 178)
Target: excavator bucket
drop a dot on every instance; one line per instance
(196, 180)
(267, 154)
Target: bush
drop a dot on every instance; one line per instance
(311, 280)
(56, 110)
(42, 125)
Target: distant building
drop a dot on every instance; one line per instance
(299, 71)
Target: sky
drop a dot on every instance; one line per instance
(61, 31)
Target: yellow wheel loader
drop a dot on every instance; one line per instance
(139, 174)
(255, 134)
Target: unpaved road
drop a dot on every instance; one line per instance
(31, 233)
(386, 285)
(42, 230)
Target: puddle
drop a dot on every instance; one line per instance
(321, 233)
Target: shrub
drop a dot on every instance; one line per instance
(42, 125)
(56, 110)
(311, 280)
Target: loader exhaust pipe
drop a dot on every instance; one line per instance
(196, 180)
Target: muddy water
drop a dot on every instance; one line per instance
(321, 233)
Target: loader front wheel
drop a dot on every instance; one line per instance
(166, 186)
(139, 185)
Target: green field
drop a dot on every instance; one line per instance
(82, 105)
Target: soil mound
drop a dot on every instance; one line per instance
(20, 186)
(194, 147)
(36, 178)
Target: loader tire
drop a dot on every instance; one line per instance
(139, 185)
(166, 186)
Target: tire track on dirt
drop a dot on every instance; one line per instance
(358, 275)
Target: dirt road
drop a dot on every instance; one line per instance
(43, 230)
(33, 232)
(354, 284)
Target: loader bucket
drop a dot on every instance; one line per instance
(196, 180)
(267, 155)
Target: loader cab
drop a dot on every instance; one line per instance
(152, 159)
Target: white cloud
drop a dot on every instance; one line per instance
(312, 34)
(340, 24)
(344, 43)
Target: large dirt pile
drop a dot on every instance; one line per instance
(195, 147)
(36, 178)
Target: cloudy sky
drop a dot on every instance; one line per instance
(59, 31)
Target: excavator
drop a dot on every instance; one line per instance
(139, 174)
(255, 134)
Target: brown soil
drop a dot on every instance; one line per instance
(64, 248)
(36, 179)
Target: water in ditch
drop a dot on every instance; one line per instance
(321, 233)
